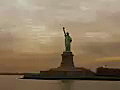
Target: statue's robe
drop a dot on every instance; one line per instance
(68, 41)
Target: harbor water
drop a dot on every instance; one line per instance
(14, 83)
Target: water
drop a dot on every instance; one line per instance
(12, 83)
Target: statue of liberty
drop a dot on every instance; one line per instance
(68, 41)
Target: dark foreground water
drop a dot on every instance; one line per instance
(12, 83)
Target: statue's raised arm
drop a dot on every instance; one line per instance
(64, 30)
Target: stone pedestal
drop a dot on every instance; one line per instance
(67, 60)
(66, 69)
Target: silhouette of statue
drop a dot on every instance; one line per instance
(68, 41)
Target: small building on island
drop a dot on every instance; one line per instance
(105, 71)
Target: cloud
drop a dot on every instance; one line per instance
(102, 49)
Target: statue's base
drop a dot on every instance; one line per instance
(67, 61)
(66, 70)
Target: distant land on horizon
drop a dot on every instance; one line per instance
(8, 73)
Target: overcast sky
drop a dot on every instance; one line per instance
(31, 36)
